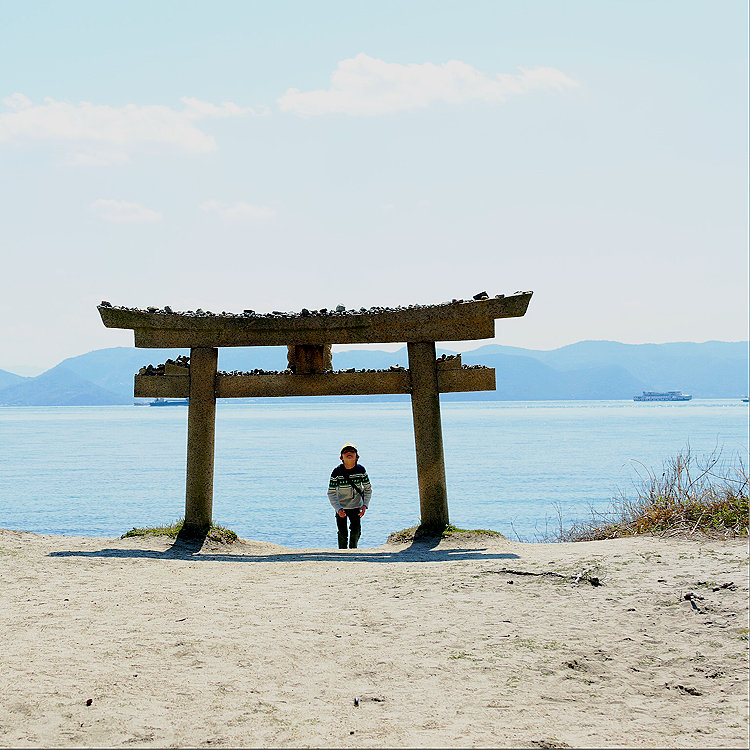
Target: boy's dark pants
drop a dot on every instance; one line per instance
(355, 527)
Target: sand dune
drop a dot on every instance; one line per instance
(454, 645)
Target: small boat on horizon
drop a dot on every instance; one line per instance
(169, 402)
(663, 396)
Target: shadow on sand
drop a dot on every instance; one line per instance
(422, 550)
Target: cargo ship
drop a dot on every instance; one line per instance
(663, 396)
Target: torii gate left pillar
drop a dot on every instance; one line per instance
(199, 480)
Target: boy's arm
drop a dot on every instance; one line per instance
(333, 494)
(367, 490)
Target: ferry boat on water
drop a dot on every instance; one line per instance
(663, 396)
(169, 402)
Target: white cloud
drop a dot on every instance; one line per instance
(122, 212)
(196, 109)
(102, 129)
(239, 210)
(365, 86)
(96, 158)
(17, 102)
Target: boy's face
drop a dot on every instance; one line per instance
(349, 458)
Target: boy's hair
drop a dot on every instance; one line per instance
(348, 448)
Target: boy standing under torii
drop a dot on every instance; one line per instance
(349, 491)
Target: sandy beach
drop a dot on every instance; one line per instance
(476, 641)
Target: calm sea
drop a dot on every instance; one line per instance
(510, 465)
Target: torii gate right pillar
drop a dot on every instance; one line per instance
(428, 436)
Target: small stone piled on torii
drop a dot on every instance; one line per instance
(308, 336)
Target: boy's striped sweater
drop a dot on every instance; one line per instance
(342, 494)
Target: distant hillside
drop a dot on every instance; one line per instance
(714, 369)
(9, 378)
(586, 370)
(113, 369)
(525, 378)
(59, 387)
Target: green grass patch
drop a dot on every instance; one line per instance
(415, 532)
(450, 530)
(216, 533)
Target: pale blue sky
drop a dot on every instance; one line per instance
(280, 155)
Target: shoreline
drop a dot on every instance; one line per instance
(475, 640)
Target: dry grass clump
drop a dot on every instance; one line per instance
(692, 495)
(216, 533)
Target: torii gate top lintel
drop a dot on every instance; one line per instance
(455, 321)
(309, 337)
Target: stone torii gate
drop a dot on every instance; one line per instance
(308, 337)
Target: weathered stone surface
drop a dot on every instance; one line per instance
(162, 386)
(308, 360)
(199, 483)
(447, 322)
(428, 435)
(449, 362)
(466, 380)
(170, 369)
(328, 384)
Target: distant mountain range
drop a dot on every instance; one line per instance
(586, 370)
